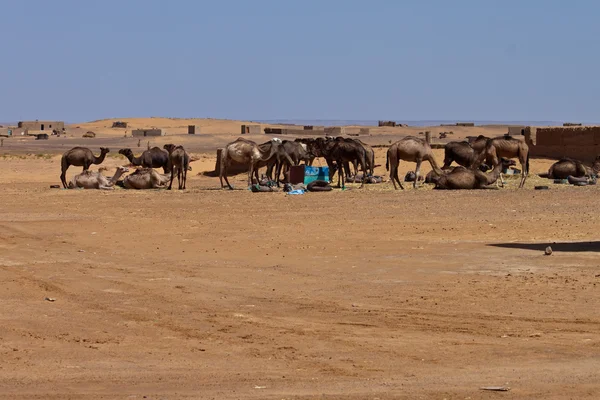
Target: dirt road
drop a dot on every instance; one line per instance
(360, 294)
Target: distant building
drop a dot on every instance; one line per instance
(147, 132)
(42, 125)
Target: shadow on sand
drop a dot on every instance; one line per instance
(564, 246)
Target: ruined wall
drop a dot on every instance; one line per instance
(146, 132)
(582, 143)
(42, 125)
(250, 129)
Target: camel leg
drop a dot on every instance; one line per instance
(63, 177)
(417, 172)
(184, 178)
(397, 165)
(172, 176)
(179, 177)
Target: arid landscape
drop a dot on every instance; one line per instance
(356, 294)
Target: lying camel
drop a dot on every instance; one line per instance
(146, 178)
(567, 166)
(464, 178)
(80, 157)
(95, 180)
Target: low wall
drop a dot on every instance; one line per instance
(581, 143)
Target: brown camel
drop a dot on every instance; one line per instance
(245, 152)
(566, 167)
(463, 153)
(508, 147)
(145, 178)
(152, 158)
(95, 180)
(412, 149)
(80, 157)
(465, 178)
(180, 162)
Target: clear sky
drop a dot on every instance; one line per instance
(80, 60)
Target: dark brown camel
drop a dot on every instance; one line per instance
(80, 157)
(180, 162)
(508, 147)
(566, 167)
(245, 152)
(340, 152)
(412, 149)
(465, 178)
(153, 158)
(462, 153)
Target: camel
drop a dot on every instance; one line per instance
(95, 180)
(180, 162)
(80, 157)
(341, 152)
(508, 147)
(152, 158)
(566, 167)
(283, 155)
(462, 153)
(413, 149)
(145, 178)
(245, 152)
(465, 178)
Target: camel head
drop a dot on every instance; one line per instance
(276, 140)
(169, 147)
(126, 152)
(122, 169)
(104, 150)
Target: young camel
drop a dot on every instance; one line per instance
(153, 158)
(464, 178)
(566, 167)
(413, 149)
(80, 157)
(145, 178)
(95, 180)
(244, 152)
(180, 161)
(508, 147)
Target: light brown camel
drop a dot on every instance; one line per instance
(465, 178)
(80, 157)
(412, 149)
(508, 147)
(95, 180)
(566, 167)
(244, 152)
(146, 178)
(180, 162)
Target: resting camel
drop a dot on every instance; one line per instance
(152, 158)
(245, 152)
(180, 162)
(413, 149)
(80, 157)
(566, 167)
(145, 178)
(508, 147)
(95, 180)
(464, 178)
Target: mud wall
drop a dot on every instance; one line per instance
(582, 143)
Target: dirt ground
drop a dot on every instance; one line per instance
(355, 294)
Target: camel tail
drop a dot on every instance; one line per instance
(527, 162)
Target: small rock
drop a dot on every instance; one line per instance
(548, 251)
(537, 334)
(49, 299)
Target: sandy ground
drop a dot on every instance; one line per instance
(355, 294)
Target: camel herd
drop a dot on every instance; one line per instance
(474, 159)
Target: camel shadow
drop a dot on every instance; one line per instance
(561, 246)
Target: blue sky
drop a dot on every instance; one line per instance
(290, 59)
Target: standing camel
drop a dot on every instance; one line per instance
(152, 158)
(508, 147)
(180, 161)
(244, 152)
(79, 157)
(412, 149)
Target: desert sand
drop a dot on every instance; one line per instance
(358, 294)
